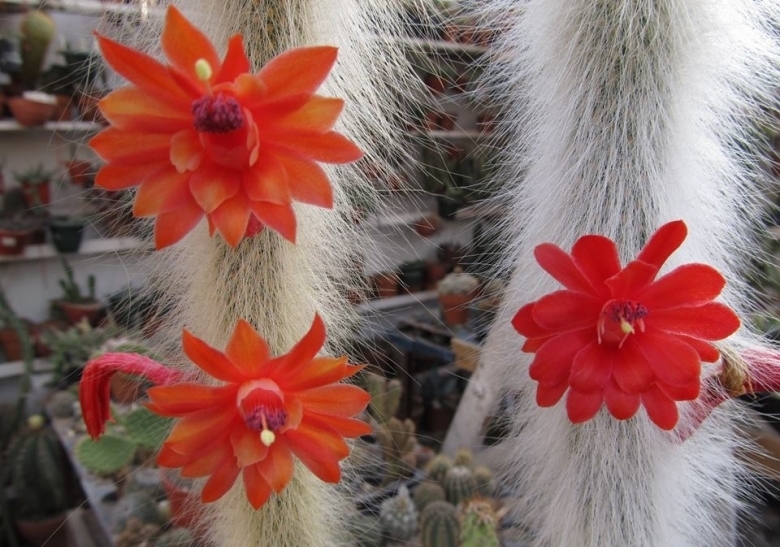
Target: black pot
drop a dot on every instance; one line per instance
(66, 234)
(413, 275)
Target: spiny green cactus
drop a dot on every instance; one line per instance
(440, 526)
(37, 29)
(426, 493)
(479, 525)
(106, 455)
(37, 465)
(397, 440)
(438, 467)
(398, 516)
(459, 484)
(71, 292)
(385, 396)
(145, 428)
(483, 482)
(463, 457)
(61, 404)
(365, 530)
(175, 537)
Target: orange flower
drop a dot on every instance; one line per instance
(264, 411)
(200, 136)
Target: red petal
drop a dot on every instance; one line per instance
(707, 352)
(674, 362)
(184, 44)
(308, 181)
(596, 257)
(318, 449)
(129, 108)
(171, 459)
(317, 372)
(524, 323)
(219, 483)
(113, 144)
(660, 408)
(267, 180)
(277, 468)
(553, 362)
(119, 176)
(247, 350)
(318, 114)
(592, 367)
(235, 62)
(532, 345)
(631, 279)
(581, 407)
(547, 396)
(712, 321)
(347, 427)
(663, 243)
(209, 460)
(620, 404)
(257, 490)
(689, 392)
(193, 433)
(186, 150)
(566, 310)
(164, 192)
(171, 227)
(686, 286)
(300, 356)
(280, 218)
(247, 446)
(212, 185)
(299, 70)
(231, 218)
(560, 265)
(178, 399)
(330, 147)
(209, 360)
(631, 371)
(339, 400)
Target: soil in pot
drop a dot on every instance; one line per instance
(66, 234)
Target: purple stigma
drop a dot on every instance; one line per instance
(219, 114)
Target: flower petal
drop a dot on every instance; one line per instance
(674, 362)
(212, 185)
(319, 448)
(184, 44)
(257, 490)
(231, 218)
(552, 363)
(307, 181)
(707, 352)
(339, 400)
(687, 286)
(581, 407)
(620, 404)
(209, 360)
(330, 147)
(247, 446)
(299, 358)
(168, 458)
(317, 372)
(217, 454)
(119, 176)
(165, 192)
(348, 427)
(235, 62)
(592, 367)
(556, 262)
(663, 243)
(277, 468)
(219, 483)
(299, 70)
(129, 108)
(524, 324)
(267, 180)
(171, 227)
(547, 396)
(712, 321)
(562, 311)
(280, 218)
(178, 399)
(114, 144)
(318, 114)
(195, 432)
(186, 150)
(689, 392)
(631, 371)
(596, 257)
(660, 408)
(247, 350)
(631, 279)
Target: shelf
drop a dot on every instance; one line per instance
(144, 8)
(400, 301)
(88, 247)
(10, 125)
(10, 369)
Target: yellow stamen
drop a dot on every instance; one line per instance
(626, 327)
(203, 70)
(267, 437)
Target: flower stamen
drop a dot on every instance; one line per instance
(262, 409)
(217, 114)
(203, 70)
(618, 320)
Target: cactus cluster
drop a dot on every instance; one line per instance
(426, 493)
(459, 484)
(437, 468)
(135, 532)
(458, 282)
(398, 516)
(385, 396)
(365, 530)
(439, 525)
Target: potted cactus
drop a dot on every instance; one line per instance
(71, 348)
(75, 305)
(66, 233)
(34, 182)
(17, 226)
(455, 291)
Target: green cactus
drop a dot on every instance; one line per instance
(397, 440)
(426, 493)
(484, 484)
(463, 457)
(61, 404)
(438, 467)
(71, 348)
(37, 30)
(106, 455)
(37, 467)
(440, 526)
(365, 530)
(71, 292)
(398, 516)
(479, 525)
(145, 428)
(175, 537)
(385, 396)
(458, 484)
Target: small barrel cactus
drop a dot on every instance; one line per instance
(483, 482)
(437, 468)
(458, 283)
(365, 530)
(463, 457)
(61, 404)
(479, 525)
(426, 493)
(440, 526)
(175, 537)
(458, 484)
(398, 516)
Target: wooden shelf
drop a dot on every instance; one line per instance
(10, 125)
(88, 247)
(143, 8)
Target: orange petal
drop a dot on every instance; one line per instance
(211, 361)
(131, 146)
(319, 450)
(171, 227)
(231, 218)
(319, 115)
(170, 458)
(330, 147)
(280, 218)
(307, 181)
(346, 427)
(247, 447)
(212, 185)
(257, 490)
(165, 192)
(235, 62)
(267, 180)
(209, 460)
(318, 372)
(336, 399)
(186, 150)
(193, 433)
(130, 108)
(277, 468)
(184, 44)
(247, 350)
(219, 483)
(119, 176)
(299, 70)
(144, 71)
(178, 399)
(302, 353)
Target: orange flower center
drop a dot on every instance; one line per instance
(618, 319)
(261, 406)
(217, 114)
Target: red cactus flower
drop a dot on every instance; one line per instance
(261, 412)
(200, 136)
(619, 336)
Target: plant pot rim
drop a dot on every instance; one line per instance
(85, 304)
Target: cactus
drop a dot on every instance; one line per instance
(458, 282)
(463, 457)
(365, 530)
(385, 397)
(397, 440)
(426, 493)
(145, 428)
(438, 467)
(135, 532)
(398, 516)
(106, 455)
(37, 466)
(71, 292)
(175, 537)
(61, 404)
(440, 526)
(483, 482)
(459, 484)
(135, 505)
(37, 29)
(479, 525)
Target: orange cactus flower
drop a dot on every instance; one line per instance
(261, 413)
(203, 136)
(619, 336)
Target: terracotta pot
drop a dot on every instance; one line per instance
(36, 195)
(76, 311)
(435, 272)
(31, 113)
(454, 308)
(62, 110)
(13, 242)
(427, 225)
(185, 507)
(386, 284)
(50, 531)
(79, 171)
(12, 345)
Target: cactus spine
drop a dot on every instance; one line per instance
(478, 525)
(440, 526)
(37, 29)
(426, 493)
(459, 484)
(398, 516)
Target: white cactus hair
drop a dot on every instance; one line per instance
(618, 116)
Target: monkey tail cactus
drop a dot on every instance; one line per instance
(440, 526)
(478, 525)
(398, 516)
(459, 484)
(37, 30)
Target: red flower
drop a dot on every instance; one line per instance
(263, 411)
(200, 136)
(621, 336)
